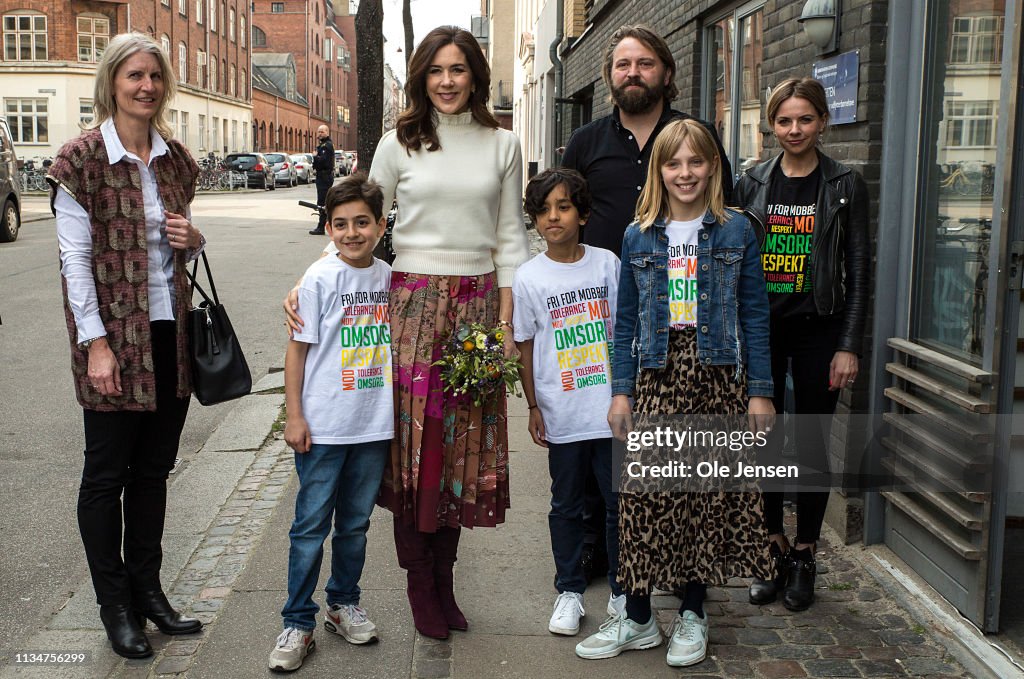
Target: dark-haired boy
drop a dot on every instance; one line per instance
(564, 314)
(340, 419)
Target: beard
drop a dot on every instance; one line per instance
(638, 102)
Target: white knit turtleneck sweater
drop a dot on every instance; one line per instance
(460, 207)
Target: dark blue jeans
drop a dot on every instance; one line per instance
(569, 464)
(342, 480)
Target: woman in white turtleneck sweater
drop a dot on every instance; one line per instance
(458, 239)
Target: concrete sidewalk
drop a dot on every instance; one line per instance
(226, 562)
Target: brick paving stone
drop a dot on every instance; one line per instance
(924, 651)
(780, 669)
(900, 637)
(433, 669)
(861, 638)
(883, 653)
(757, 637)
(832, 595)
(894, 621)
(815, 637)
(868, 595)
(177, 664)
(703, 668)
(766, 622)
(183, 646)
(831, 668)
(880, 668)
(714, 610)
(722, 635)
(919, 667)
(737, 668)
(840, 652)
(792, 652)
(860, 622)
(736, 652)
(741, 610)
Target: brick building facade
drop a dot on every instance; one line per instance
(51, 48)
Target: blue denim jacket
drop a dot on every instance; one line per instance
(732, 303)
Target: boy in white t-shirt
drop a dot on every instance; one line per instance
(340, 419)
(563, 317)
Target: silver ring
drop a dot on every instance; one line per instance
(849, 382)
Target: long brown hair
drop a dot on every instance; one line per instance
(653, 202)
(417, 125)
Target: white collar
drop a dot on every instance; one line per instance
(116, 150)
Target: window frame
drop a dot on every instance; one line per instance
(92, 18)
(17, 118)
(182, 63)
(13, 36)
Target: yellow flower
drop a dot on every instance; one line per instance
(468, 345)
(499, 336)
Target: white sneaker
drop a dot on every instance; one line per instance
(566, 617)
(292, 647)
(689, 642)
(350, 622)
(616, 605)
(619, 634)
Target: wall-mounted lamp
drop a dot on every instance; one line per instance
(820, 19)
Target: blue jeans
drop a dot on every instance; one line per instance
(342, 480)
(568, 464)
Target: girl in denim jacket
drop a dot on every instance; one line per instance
(691, 339)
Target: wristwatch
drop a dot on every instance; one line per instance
(84, 346)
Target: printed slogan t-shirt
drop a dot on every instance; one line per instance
(568, 310)
(346, 392)
(682, 272)
(789, 232)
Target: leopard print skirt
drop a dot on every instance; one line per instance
(708, 534)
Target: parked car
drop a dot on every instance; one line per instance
(257, 169)
(10, 189)
(353, 161)
(284, 169)
(341, 168)
(303, 167)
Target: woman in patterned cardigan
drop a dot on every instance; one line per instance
(121, 193)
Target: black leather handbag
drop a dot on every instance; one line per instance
(219, 370)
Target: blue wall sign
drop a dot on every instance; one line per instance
(840, 75)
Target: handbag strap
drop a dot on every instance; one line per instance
(209, 277)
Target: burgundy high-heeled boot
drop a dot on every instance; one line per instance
(414, 555)
(445, 544)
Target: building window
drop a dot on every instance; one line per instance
(259, 38)
(213, 15)
(85, 112)
(183, 136)
(165, 3)
(231, 24)
(199, 11)
(970, 123)
(93, 34)
(200, 68)
(733, 93)
(241, 30)
(172, 119)
(976, 40)
(25, 37)
(28, 120)
(234, 134)
(277, 7)
(182, 63)
(216, 132)
(202, 132)
(183, 7)
(244, 84)
(165, 45)
(213, 75)
(231, 81)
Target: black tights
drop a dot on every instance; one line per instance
(638, 606)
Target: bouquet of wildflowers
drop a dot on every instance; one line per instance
(473, 363)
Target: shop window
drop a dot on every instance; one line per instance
(734, 97)
(976, 40)
(25, 37)
(93, 35)
(28, 120)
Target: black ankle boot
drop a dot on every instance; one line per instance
(799, 592)
(154, 605)
(126, 637)
(765, 591)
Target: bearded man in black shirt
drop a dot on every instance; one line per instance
(612, 153)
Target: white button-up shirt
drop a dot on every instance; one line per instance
(74, 236)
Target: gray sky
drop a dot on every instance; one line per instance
(426, 15)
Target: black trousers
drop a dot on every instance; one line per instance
(323, 184)
(804, 346)
(128, 456)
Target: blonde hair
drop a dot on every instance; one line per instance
(120, 48)
(653, 202)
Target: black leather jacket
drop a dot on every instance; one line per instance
(840, 251)
(323, 161)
